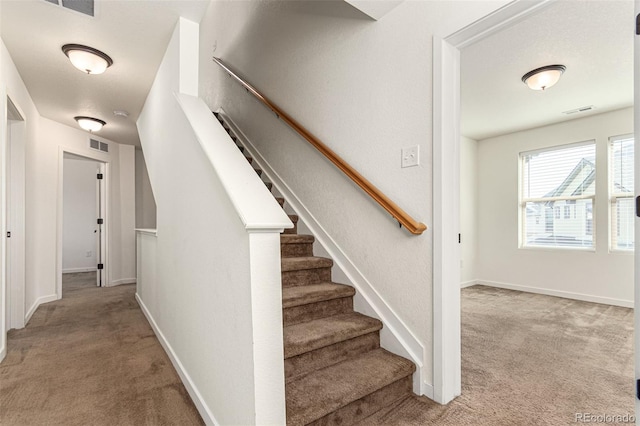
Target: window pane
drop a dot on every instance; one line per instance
(545, 228)
(621, 158)
(622, 218)
(560, 172)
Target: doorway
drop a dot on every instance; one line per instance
(82, 220)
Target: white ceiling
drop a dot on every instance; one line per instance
(593, 39)
(134, 33)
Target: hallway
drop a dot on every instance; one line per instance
(90, 358)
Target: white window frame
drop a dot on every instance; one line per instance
(615, 196)
(522, 206)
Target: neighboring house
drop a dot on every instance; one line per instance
(566, 221)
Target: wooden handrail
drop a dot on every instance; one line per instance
(400, 215)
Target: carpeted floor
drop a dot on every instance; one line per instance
(532, 360)
(90, 359)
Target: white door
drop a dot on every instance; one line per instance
(637, 189)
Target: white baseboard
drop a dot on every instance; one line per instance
(39, 301)
(202, 407)
(122, 281)
(559, 293)
(74, 270)
(404, 340)
(468, 283)
(3, 352)
(427, 390)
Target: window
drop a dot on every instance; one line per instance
(555, 180)
(621, 192)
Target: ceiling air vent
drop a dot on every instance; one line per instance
(581, 109)
(83, 6)
(98, 146)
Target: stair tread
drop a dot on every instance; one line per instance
(312, 293)
(296, 239)
(308, 262)
(316, 334)
(326, 390)
(293, 217)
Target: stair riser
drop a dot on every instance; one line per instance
(296, 250)
(364, 407)
(293, 230)
(313, 311)
(306, 276)
(299, 365)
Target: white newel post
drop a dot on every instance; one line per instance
(266, 304)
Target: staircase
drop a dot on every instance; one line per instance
(335, 370)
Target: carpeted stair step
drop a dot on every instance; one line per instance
(258, 171)
(326, 341)
(249, 159)
(312, 335)
(350, 390)
(293, 218)
(313, 301)
(294, 245)
(305, 270)
(280, 201)
(269, 185)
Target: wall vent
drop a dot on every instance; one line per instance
(83, 6)
(581, 109)
(98, 146)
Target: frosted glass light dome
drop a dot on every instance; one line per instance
(87, 59)
(90, 124)
(544, 77)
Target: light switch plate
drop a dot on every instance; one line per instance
(411, 156)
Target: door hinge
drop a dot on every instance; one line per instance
(8, 234)
(100, 266)
(638, 388)
(638, 24)
(638, 206)
(100, 176)
(459, 238)
(100, 221)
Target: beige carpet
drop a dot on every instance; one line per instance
(532, 360)
(90, 359)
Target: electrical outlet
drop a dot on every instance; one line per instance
(411, 156)
(89, 253)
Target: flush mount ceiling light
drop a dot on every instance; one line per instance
(544, 77)
(87, 59)
(90, 124)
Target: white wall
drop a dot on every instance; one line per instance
(145, 202)
(364, 88)
(79, 216)
(45, 140)
(599, 276)
(468, 210)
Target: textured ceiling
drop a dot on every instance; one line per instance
(134, 33)
(594, 39)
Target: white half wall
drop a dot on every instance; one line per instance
(468, 211)
(79, 239)
(598, 276)
(216, 303)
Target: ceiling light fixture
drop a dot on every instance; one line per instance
(87, 59)
(544, 77)
(90, 124)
